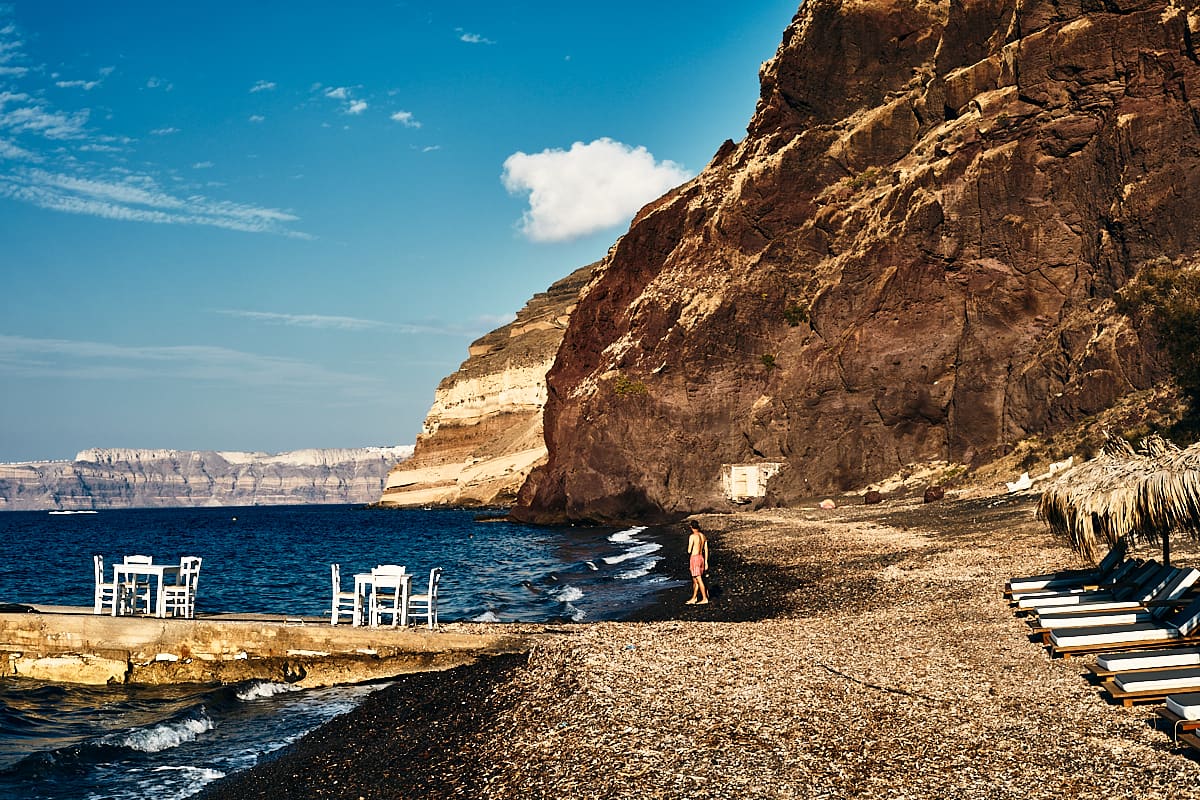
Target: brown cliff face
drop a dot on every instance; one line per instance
(911, 257)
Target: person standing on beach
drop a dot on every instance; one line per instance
(697, 563)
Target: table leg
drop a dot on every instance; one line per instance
(404, 605)
(160, 602)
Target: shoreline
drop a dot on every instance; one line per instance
(850, 653)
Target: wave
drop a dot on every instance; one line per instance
(261, 689)
(575, 614)
(163, 736)
(627, 535)
(634, 552)
(642, 568)
(487, 616)
(567, 593)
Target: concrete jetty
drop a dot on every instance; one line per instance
(73, 645)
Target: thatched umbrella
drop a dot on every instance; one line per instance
(1168, 497)
(1098, 501)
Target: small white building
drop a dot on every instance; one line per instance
(742, 483)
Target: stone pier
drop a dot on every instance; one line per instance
(72, 645)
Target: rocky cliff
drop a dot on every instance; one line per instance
(128, 478)
(483, 434)
(911, 257)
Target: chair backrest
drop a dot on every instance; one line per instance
(98, 562)
(189, 570)
(138, 560)
(1114, 557)
(1157, 588)
(435, 577)
(390, 569)
(336, 574)
(381, 574)
(1188, 618)
(1175, 589)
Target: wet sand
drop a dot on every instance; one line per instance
(859, 652)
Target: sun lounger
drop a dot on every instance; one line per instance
(1181, 626)
(1069, 577)
(1182, 712)
(1108, 664)
(1152, 684)
(1156, 605)
(1117, 575)
(1141, 580)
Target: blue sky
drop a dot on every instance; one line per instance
(269, 226)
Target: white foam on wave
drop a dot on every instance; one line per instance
(642, 568)
(263, 689)
(487, 616)
(162, 737)
(567, 593)
(627, 535)
(592, 566)
(576, 614)
(634, 552)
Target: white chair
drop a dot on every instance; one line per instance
(138, 589)
(108, 593)
(389, 593)
(426, 604)
(343, 602)
(179, 598)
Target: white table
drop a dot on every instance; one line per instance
(366, 582)
(130, 572)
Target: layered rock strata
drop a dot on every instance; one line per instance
(130, 478)
(911, 257)
(483, 434)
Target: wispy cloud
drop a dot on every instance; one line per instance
(331, 322)
(345, 95)
(262, 86)
(155, 82)
(203, 165)
(257, 118)
(64, 358)
(306, 320)
(57, 160)
(588, 188)
(472, 38)
(356, 107)
(87, 86)
(337, 92)
(406, 119)
(138, 198)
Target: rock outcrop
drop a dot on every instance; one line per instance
(911, 257)
(483, 434)
(129, 478)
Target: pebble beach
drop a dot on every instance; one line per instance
(858, 652)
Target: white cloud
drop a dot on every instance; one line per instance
(203, 165)
(158, 83)
(87, 86)
(337, 92)
(164, 131)
(588, 188)
(356, 107)
(257, 118)
(473, 38)
(406, 119)
(429, 148)
(262, 86)
(22, 114)
(11, 151)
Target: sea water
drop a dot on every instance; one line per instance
(66, 741)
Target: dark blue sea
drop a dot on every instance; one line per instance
(66, 741)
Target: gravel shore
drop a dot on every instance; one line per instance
(861, 652)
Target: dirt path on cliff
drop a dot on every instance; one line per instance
(888, 665)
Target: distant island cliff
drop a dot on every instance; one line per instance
(131, 478)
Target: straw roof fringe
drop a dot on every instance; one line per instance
(1139, 494)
